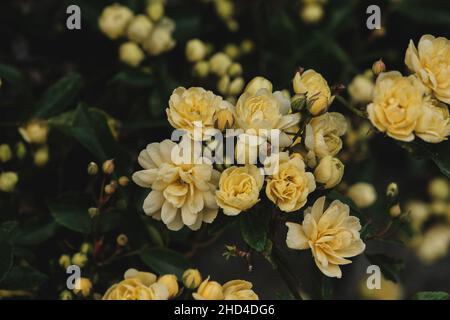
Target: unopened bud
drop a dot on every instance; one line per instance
(79, 259)
(86, 248)
(92, 169)
(109, 189)
(93, 212)
(21, 150)
(5, 153)
(122, 240)
(123, 181)
(41, 156)
(65, 295)
(192, 278)
(83, 286)
(64, 261)
(235, 70)
(378, 67)
(395, 210)
(298, 103)
(108, 167)
(392, 190)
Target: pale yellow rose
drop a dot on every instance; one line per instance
(290, 185)
(332, 235)
(139, 28)
(316, 89)
(182, 191)
(194, 108)
(131, 54)
(329, 172)
(195, 50)
(160, 38)
(239, 290)
(35, 132)
(114, 20)
(209, 290)
(362, 194)
(361, 89)
(239, 189)
(171, 283)
(259, 109)
(322, 136)
(137, 286)
(431, 64)
(397, 105)
(434, 123)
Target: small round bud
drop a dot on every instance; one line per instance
(192, 278)
(395, 210)
(311, 13)
(439, 188)
(108, 167)
(86, 248)
(392, 190)
(378, 67)
(5, 153)
(298, 103)
(195, 50)
(92, 169)
(41, 156)
(224, 84)
(155, 10)
(171, 283)
(83, 286)
(64, 261)
(247, 46)
(201, 69)
(65, 295)
(139, 28)
(209, 290)
(363, 194)
(123, 181)
(93, 212)
(21, 150)
(34, 132)
(220, 63)
(79, 259)
(109, 189)
(8, 181)
(232, 51)
(131, 54)
(122, 240)
(235, 70)
(236, 86)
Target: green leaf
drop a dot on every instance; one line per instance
(390, 267)
(254, 228)
(164, 261)
(23, 278)
(424, 14)
(134, 78)
(71, 211)
(35, 233)
(6, 259)
(11, 75)
(431, 295)
(59, 96)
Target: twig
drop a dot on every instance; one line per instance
(346, 104)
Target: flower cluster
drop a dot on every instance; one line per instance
(150, 31)
(405, 107)
(138, 285)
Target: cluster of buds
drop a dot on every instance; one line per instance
(35, 132)
(225, 9)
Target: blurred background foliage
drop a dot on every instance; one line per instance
(75, 80)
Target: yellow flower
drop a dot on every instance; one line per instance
(114, 20)
(160, 39)
(318, 93)
(361, 89)
(290, 185)
(64, 261)
(137, 286)
(329, 172)
(224, 117)
(362, 194)
(83, 286)
(397, 104)
(34, 132)
(332, 235)
(195, 50)
(209, 290)
(131, 54)
(79, 259)
(8, 181)
(193, 108)
(431, 64)
(139, 28)
(182, 191)
(258, 108)
(239, 290)
(171, 283)
(192, 278)
(219, 63)
(322, 136)
(434, 123)
(239, 189)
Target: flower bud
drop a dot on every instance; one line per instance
(362, 194)
(155, 10)
(223, 84)
(224, 117)
(232, 51)
(123, 181)
(114, 20)
(438, 188)
(171, 283)
(329, 172)
(5, 153)
(92, 169)
(65, 295)
(131, 54)
(195, 50)
(209, 290)
(236, 86)
(110, 189)
(86, 248)
(21, 150)
(64, 261)
(83, 286)
(34, 132)
(247, 46)
(392, 190)
(298, 103)
(311, 13)
(316, 89)
(108, 167)
(258, 83)
(219, 63)
(224, 8)
(192, 278)
(235, 70)
(395, 211)
(361, 89)
(79, 259)
(122, 240)
(139, 28)
(439, 207)
(378, 67)
(93, 212)
(8, 181)
(201, 69)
